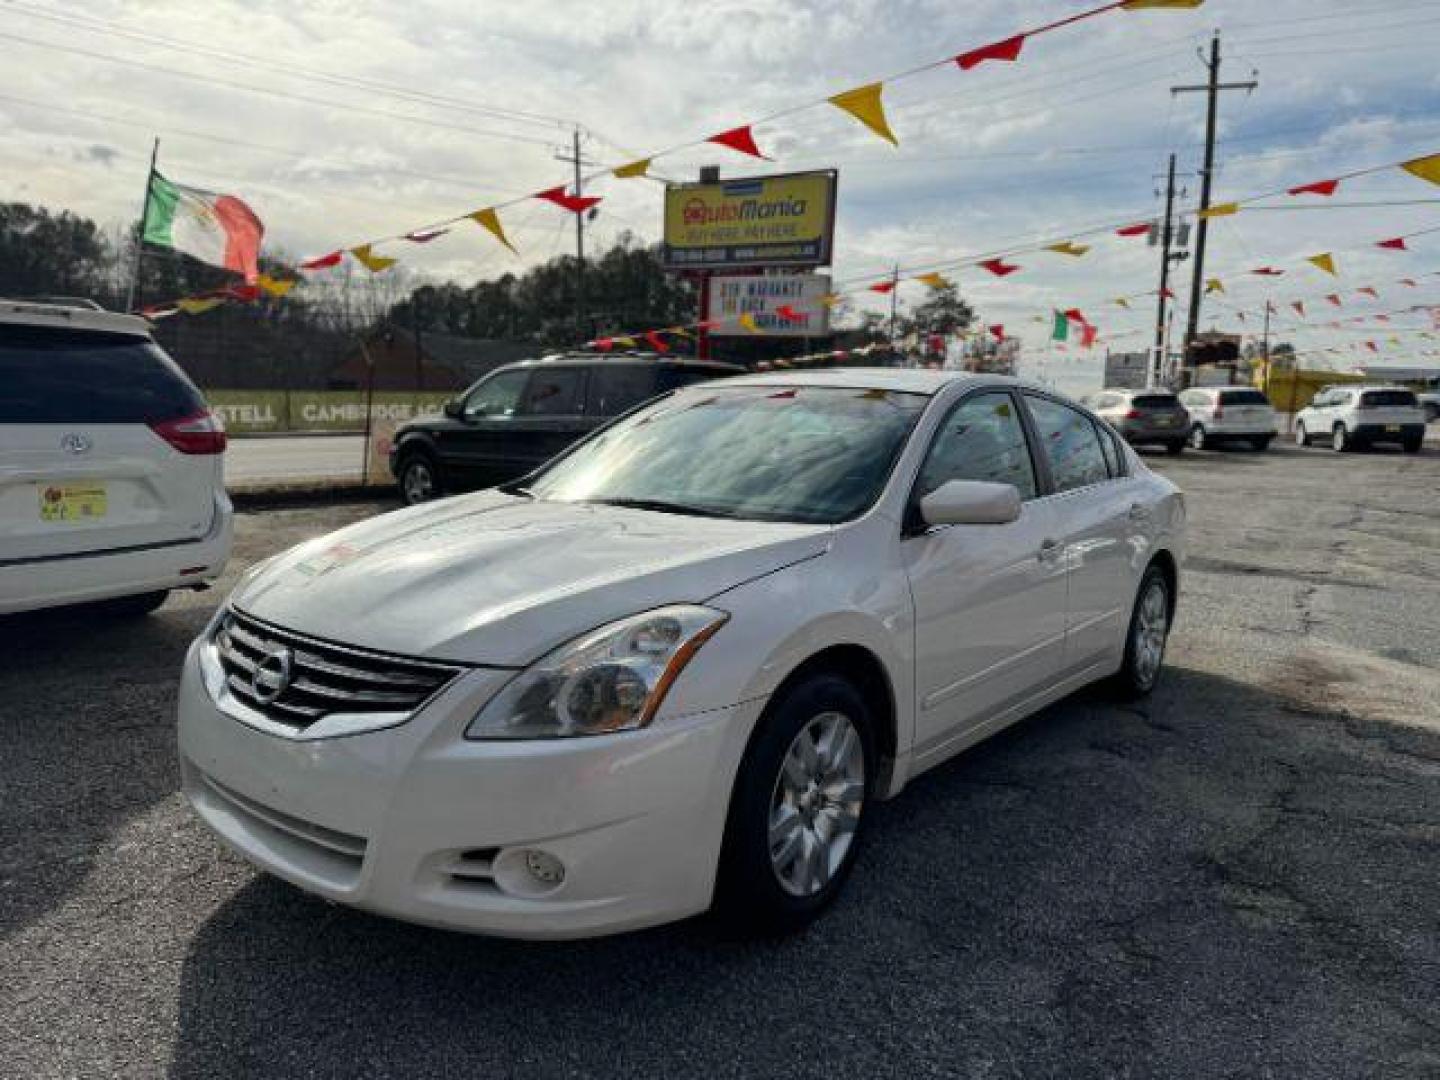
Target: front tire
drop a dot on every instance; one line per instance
(1301, 437)
(132, 607)
(1340, 440)
(1198, 439)
(419, 479)
(1147, 637)
(797, 812)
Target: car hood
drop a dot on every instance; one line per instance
(501, 580)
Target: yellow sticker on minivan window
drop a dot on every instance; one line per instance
(72, 502)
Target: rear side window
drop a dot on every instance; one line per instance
(1388, 399)
(1071, 443)
(554, 392)
(1114, 460)
(63, 377)
(619, 387)
(1156, 401)
(1243, 397)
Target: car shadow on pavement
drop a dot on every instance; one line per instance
(84, 744)
(1218, 881)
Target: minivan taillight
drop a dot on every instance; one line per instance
(199, 433)
(1134, 414)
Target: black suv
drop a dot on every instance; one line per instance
(520, 416)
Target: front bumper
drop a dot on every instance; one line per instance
(418, 823)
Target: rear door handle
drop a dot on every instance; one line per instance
(1049, 550)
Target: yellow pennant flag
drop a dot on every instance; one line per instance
(627, 342)
(680, 332)
(747, 320)
(1426, 168)
(634, 169)
(489, 220)
(1069, 247)
(864, 104)
(372, 262)
(935, 281)
(830, 299)
(1214, 285)
(1224, 209)
(1325, 262)
(198, 307)
(1122, 301)
(276, 287)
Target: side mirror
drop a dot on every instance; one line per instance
(971, 502)
(453, 408)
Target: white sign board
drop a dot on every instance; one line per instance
(776, 305)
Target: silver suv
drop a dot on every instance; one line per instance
(1354, 417)
(1229, 414)
(1144, 417)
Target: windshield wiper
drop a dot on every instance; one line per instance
(663, 507)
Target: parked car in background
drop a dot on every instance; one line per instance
(1429, 404)
(1354, 417)
(1229, 414)
(111, 464)
(1145, 417)
(520, 416)
(676, 668)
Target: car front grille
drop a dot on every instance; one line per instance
(320, 678)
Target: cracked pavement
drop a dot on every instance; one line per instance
(1238, 877)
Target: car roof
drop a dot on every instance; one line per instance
(622, 358)
(901, 380)
(71, 315)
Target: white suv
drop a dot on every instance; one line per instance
(1354, 417)
(111, 483)
(1220, 414)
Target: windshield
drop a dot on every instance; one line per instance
(765, 453)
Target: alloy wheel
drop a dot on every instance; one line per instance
(1152, 626)
(1301, 439)
(816, 804)
(1338, 439)
(1197, 437)
(419, 483)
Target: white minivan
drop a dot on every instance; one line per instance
(111, 483)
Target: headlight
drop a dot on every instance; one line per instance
(611, 679)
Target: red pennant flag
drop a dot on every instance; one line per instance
(1382, 318)
(244, 293)
(424, 236)
(1088, 334)
(999, 331)
(323, 262)
(1299, 307)
(604, 344)
(1372, 346)
(740, 139)
(657, 342)
(789, 314)
(1410, 281)
(1397, 244)
(1369, 290)
(1334, 298)
(998, 267)
(574, 203)
(1008, 50)
(1320, 187)
(1076, 315)
(1140, 228)
(709, 324)
(1267, 271)
(883, 287)
(1168, 293)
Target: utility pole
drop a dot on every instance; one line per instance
(1265, 346)
(894, 301)
(1167, 232)
(582, 315)
(132, 296)
(1212, 90)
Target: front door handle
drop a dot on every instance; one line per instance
(1049, 550)
(1138, 512)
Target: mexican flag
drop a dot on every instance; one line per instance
(217, 229)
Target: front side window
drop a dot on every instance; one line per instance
(497, 397)
(1072, 445)
(982, 439)
(764, 453)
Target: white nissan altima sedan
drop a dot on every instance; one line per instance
(673, 668)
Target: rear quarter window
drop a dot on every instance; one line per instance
(66, 376)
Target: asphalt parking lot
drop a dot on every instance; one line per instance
(1240, 877)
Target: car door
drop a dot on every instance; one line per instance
(989, 599)
(1101, 520)
(551, 418)
(473, 451)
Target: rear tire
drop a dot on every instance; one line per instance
(1302, 438)
(1146, 638)
(1198, 439)
(797, 812)
(1340, 440)
(419, 478)
(1175, 447)
(132, 607)
(1261, 445)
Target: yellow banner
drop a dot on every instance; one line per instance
(761, 221)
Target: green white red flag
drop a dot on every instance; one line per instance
(216, 229)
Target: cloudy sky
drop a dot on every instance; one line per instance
(339, 122)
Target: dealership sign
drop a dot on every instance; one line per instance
(776, 305)
(762, 221)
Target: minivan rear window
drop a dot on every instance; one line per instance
(1388, 399)
(1156, 401)
(1243, 397)
(71, 376)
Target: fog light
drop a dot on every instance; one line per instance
(544, 868)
